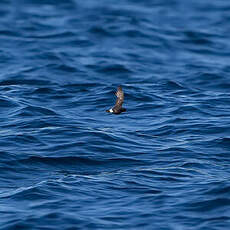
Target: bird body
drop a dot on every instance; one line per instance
(117, 109)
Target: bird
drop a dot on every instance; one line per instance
(117, 109)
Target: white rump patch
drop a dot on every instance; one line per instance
(111, 110)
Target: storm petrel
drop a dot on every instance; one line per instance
(117, 109)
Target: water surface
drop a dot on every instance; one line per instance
(67, 164)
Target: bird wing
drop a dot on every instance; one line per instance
(120, 97)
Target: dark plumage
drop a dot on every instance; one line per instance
(117, 109)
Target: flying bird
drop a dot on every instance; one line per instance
(117, 109)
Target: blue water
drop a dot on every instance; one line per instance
(67, 164)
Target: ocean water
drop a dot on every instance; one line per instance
(67, 164)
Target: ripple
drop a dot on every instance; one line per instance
(81, 161)
(6, 103)
(113, 69)
(209, 205)
(66, 34)
(30, 111)
(23, 82)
